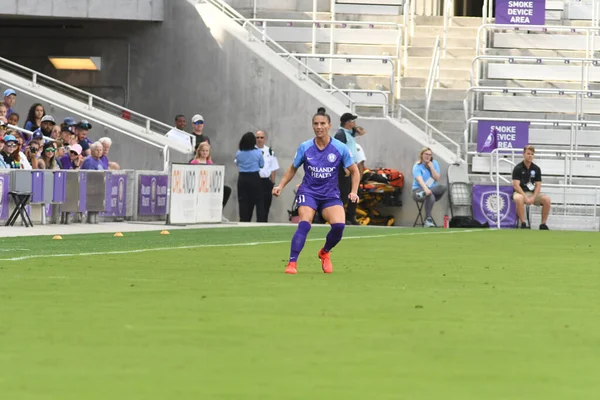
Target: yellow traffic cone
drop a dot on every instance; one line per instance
(118, 234)
(164, 233)
(57, 237)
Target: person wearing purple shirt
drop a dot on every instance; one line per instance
(106, 143)
(72, 160)
(92, 162)
(324, 158)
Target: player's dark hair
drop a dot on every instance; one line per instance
(247, 142)
(321, 111)
(179, 116)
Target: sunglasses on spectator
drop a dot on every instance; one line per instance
(74, 153)
(50, 150)
(199, 122)
(11, 144)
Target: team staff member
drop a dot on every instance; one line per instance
(249, 161)
(527, 183)
(346, 134)
(267, 175)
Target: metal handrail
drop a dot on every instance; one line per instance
(98, 121)
(433, 79)
(487, 28)
(427, 127)
(448, 15)
(476, 65)
(93, 101)
(246, 24)
(385, 94)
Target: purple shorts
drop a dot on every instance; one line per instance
(307, 200)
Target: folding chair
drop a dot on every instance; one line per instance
(420, 205)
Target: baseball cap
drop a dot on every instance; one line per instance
(76, 148)
(8, 92)
(347, 117)
(84, 124)
(69, 121)
(197, 118)
(37, 135)
(10, 138)
(48, 118)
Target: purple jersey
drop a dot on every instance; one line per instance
(321, 168)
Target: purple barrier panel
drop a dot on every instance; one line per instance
(60, 187)
(4, 188)
(82, 191)
(48, 208)
(37, 186)
(153, 194)
(487, 205)
(116, 196)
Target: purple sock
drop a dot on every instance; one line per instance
(299, 239)
(334, 236)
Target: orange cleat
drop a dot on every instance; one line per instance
(291, 268)
(325, 262)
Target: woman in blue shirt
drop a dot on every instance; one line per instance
(426, 187)
(249, 160)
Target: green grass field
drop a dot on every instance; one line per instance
(409, 314)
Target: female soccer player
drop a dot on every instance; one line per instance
(324, 158)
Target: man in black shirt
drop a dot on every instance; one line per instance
(527, 183)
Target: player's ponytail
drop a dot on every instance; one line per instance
(322, 112)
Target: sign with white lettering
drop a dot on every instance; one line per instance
(521, 12)
(501, 135)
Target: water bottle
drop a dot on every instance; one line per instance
(446, 222)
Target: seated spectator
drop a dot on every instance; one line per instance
(37, 137)
(3, 112)
(202, 154)
(32, 154)
(69, 121)
(48, 157)
(73, 159)
(68, 135)
(46, 125)
(81, 129)
(527, 185)
(24, 162)
(11, 153)
(55, 134)
(92, 162)
(10, 98)
(13, 119)
(106, 143)
(34, 117)
(60, 150)
(3, 164)
(426, 187)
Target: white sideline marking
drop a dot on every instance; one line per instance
(200, 246)
(5, 250)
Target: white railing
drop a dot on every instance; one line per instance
(430, 130)
(165, 148)
(575, 127)
(477, 67)
(596, 14)
(304, 71)
(472, 100)
(448, 15)
(92, 101)
(484, 34)
(487, 12)
(433, 80)
(384, 103)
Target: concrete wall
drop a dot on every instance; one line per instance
(135, 10)
(181, 66)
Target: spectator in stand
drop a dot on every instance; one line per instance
(34, 117)
(202, 155)
(198, 122)
(10, 98)
(25, 164)
(60, 150)
(13, 119)
(3, 164)
(346, 134)
(180, 122)
(10, 144)
(67, 135)
(3, 112)
(73, 159)
(37, 138)
(55, 134)
(106, 144)
(46, 125)
(48, 158)
(32, 155)
(69, 121)
(92, 162)
(249, 161)
(81, 129)
(267, 174)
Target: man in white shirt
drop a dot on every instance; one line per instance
(267, 175)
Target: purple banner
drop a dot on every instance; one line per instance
(60, 187)
(487, 204)
(116, 196)
(153, 194)
(82, 191)
(37, 186)
(501, 135)
(4, 188)
(521, 12)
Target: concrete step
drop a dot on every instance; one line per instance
(438, 94)
(440, 115)
(447, 126)
(444, 83)
(522, 115)
(536, 53)
(454, 52)
(360, 81)
(353, 49)
(417, 103)
(454, 31)
(453, 42)
(323, 14)
(447, 73)
(534, 84)
(456, 21)
(399, 19)
(445, 63)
